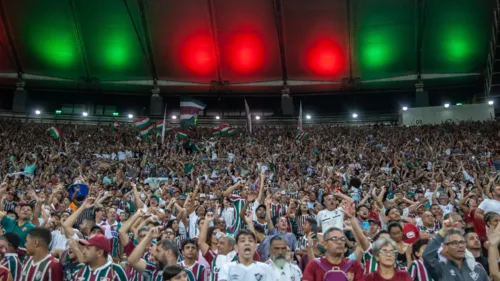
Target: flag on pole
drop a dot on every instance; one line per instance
(116, 125)
(299, 126)
(224, 128)
(249, 119)
(146, 130)
(55, 132)
(189, 110)
(160, 126)
(215, 132)
(232, 131)
(142, 122)
(164, 125)
(302, 136)
(181, 134)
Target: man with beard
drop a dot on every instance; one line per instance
(165, 253)
(260, 213)
(278, 261)
(97, 265)
(195, 270)
(245, 268)
(334, 241)
(473, 245)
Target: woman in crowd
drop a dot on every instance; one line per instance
(385, 251)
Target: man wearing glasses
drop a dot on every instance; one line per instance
(455, 266)
(335, 243)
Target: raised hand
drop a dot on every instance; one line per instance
(154, 232)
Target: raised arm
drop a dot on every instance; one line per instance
(135, 259)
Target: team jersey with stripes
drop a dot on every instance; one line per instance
(195, 272)
(418, 272)
(9, 205)
(152, 273)
(109, 272)
(12, 262)
(48, 269)
(238, 204)
(217, 261)
(111, 232)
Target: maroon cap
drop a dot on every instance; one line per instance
(98, 240)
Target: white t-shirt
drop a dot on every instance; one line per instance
(327, 219)
(193, 230)
(290, 272)
(257, 271)
(446, 208)
(490, 205)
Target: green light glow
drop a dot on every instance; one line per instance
(116, 48)
(458, 44)
(376, 49)
(54, 46)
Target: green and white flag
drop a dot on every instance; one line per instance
(142, 122)
(232, 131)
(55, 132)
(302, 136)
(181, 134)
(189, 109)
(146, 130)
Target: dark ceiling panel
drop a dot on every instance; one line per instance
(316, 39)
(384, 38)
(456, 35)
(182, 40)
(247, 40)
(45, 38)
(113, 49)
(7, 63)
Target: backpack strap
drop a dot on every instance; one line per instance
(348, 265)
(324, 267)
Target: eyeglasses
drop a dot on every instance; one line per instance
(335, 239)
(388, 253)
(455, 243)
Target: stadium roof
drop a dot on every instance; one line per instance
(242, 46)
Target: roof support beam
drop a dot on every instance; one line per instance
(349, 37)
(213, 28)
(14, 54)
(145, 46)
(420, 34)
(78, 34)
(278, 19)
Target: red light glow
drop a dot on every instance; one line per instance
(246, 53)
(198, 54)
(325, 58)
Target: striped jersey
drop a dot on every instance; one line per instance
(111, 232)
(301, 220)
(152, 273)
(12, 262)
(278, 210)
(9, 205)
(48, 269)
(418, 272)
(5, 274)
(371, 264)
(195, 272)
(109, 272)
(132, 273)
(217, 261)
(301, 243)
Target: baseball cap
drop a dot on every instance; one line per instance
(100, 241)
(24, 203)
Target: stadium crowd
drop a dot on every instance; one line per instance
(348, 203)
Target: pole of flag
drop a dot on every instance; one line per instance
(299, 127)
(164, 125)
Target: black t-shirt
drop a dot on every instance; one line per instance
(484, 262)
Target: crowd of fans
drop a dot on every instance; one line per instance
(349, 203)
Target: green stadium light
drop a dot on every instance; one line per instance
(58, 112)
(115, 114)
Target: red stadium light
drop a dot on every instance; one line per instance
(246, 53)
(325, 58)
(198, 54)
